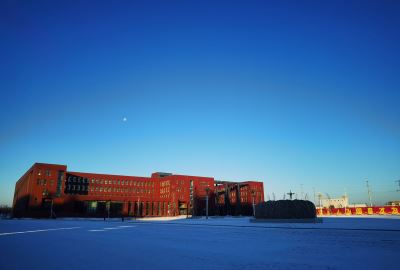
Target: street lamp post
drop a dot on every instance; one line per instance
(108, 209)
(138, 207)
(253, 194)
(207, 192)
(51, 209)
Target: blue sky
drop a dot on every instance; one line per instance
(288, 92)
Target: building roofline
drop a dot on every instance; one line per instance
(107, 174)
(51, 164)
(38, 164)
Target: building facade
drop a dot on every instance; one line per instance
(335, 202)
(51, 190)
(342, 202)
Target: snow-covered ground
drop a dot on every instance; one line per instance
(214, 243)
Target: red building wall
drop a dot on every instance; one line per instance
(35, 185)
(78, 193)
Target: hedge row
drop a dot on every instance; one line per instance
(286, 209)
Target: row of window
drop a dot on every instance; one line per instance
(164, 183)
(43, 182)
(164, 190)
(116, 195)
(244, 200)
(47, 172)
(204, 184)
(108, 189)
(247, 188)
(76, 188)
(245, 194)
(168, 183)
(77, 179)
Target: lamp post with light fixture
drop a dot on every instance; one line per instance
(253, 195)
(207, 189)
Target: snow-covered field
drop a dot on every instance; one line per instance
(216, 243)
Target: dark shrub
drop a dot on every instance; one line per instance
(286, 209)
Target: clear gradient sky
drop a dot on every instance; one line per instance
(287, 92)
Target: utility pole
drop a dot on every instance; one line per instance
(320, 199)
(301, 193)
(369, 193)
(314, 196)
(398, 182)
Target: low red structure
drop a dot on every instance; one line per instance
(374, 210)
(50, 189)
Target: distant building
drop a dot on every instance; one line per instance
(342, 202)
(393, 203)
(357, 205)
(336, 202)
(50, 189)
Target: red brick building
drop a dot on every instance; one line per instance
(50, 188)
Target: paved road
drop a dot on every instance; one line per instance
(60, 244)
